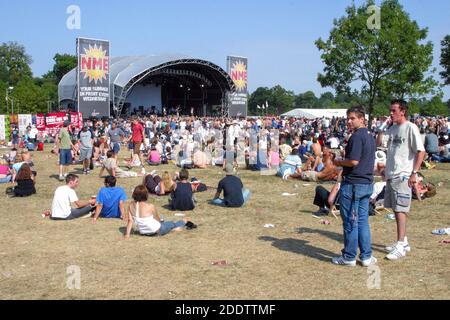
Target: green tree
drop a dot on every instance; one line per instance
(306, 100)
(435, 107)
(14, 63)
(258, 97)
(326, 101)
(63, 64)
(445, 59)
(281, 100)
(29, 97)
(391, 61)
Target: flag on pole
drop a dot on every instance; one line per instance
(258, 106)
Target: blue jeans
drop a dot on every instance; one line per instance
(354, 208)
(167, 226)
(221, 202)
(6, 180)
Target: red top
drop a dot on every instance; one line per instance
(138, 133)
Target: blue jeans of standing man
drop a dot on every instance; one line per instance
(354, 208)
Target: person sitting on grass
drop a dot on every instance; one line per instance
(154, 157)
(291, 166)
(65, 199)
(235, 195)
(325, 199)
(157, 185)
(5, 171)
(182, 198)
(146, 220)
(25, 182)
(110, 201)
(199, 159)
(329, 171)
(110, 164)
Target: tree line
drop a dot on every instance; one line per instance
(364, 64)
(20, 90)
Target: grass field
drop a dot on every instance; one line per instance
(290, 261)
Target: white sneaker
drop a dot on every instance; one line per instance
(397, 253)
(406, 246)
(61, 178)
(286, 175)
(369, 262)
(342, 262)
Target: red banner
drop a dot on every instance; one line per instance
(40, 122)
(76, 119)
(55, 121)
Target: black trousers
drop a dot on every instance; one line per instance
(321, 197)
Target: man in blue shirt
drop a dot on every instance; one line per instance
(356, 189)
(110, 201)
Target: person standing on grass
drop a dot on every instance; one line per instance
(65, 146)
(86, 138)
(137, 137)
(116, 135)
(405, 154)
(355, 191)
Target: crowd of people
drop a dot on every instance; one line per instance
(345, 152)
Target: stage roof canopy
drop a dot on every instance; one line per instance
(125, 72)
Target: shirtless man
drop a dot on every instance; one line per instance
(317, 151)
(329, 171)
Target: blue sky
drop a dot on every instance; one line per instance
(277, 36)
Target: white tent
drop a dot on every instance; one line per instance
(316, 113)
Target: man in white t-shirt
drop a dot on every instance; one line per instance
(405, 154)
(33, 134)
(66, 205)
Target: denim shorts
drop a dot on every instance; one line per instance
(116, 148)
(65, 157)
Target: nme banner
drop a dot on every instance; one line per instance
(55, 121)
(237, 69)
(93, 77)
